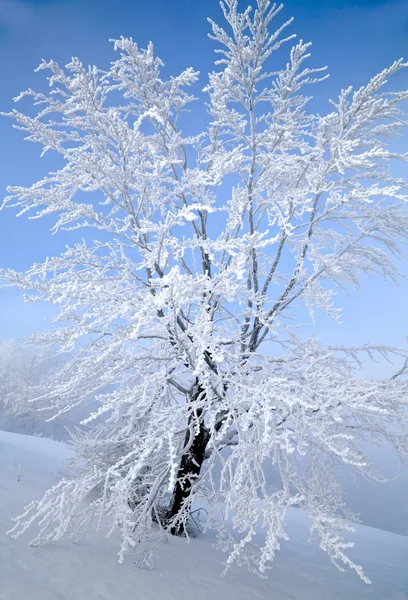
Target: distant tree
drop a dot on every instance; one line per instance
(24, 369)
(184, 304)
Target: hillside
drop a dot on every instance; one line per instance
(89, 570)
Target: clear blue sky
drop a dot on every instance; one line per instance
(354, 38)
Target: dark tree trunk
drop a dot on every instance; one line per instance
(190, 467)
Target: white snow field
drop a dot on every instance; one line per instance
(89, 570)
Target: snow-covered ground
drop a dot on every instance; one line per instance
(89, 571)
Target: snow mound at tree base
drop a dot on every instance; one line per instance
(89, 570)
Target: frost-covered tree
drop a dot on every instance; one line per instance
(24, 369)
(21, 368)
(184, 303)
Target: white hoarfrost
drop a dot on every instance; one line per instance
(182, 306)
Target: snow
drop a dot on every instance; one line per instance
(89, 570)
(190, 336)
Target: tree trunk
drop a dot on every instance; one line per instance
(190, 467)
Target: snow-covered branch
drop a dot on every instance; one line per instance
(176, 307)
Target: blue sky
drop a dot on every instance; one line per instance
(355, 39)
